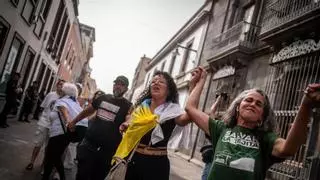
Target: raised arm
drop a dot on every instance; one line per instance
(299, 130)
(200, 118)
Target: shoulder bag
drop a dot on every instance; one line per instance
(119, 169)
(73, 136)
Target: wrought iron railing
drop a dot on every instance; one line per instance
(287, 80)
(284, 11)
(242, 34)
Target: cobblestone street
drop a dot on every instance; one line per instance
(16, 144)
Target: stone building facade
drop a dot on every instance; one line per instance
(272, 45)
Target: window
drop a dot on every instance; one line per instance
(28, 10)
(43, 14)
(4, 29)
(46, 4)
(235, 14)
(41, 72)
(46, 78)
(154, 71)
(50, 83)
(15, 2)
(241, 12)
(186, 56)
(70, 57)
(147, 80)
(27, 66)
(162, 65)
(173, 60)
(55, 27)
(72, 62)
(12, 60)
(68, 53)
(61, 46)
(59, 32)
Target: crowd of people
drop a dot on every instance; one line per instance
(243, 142)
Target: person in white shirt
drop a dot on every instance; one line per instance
(81, 126)
(65, 109)
(42, 132)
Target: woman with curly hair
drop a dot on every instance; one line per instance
(156, 119)
(245, 143)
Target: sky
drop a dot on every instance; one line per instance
(128, 29)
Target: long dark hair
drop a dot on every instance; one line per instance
(173, 95)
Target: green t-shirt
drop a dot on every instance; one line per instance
(238, 153)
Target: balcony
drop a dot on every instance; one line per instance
(238, 41)
(283, 15)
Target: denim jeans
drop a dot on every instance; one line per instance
(206, 171)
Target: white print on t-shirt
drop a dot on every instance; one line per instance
(107, 111)
(238, 138)
(223, 158)
(109, 107)
(246, 164)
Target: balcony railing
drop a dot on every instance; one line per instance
(243, 34)
(284, 11)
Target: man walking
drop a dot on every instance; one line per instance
(12, 92)
(103, 136)
(30, 101)
(42, 133)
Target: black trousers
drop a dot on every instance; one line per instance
(10, 103)
(53, 156)
(145, 167)
(26, 110)
(94, 163)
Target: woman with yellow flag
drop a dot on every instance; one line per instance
(156, 121)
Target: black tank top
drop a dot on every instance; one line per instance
(167, 128)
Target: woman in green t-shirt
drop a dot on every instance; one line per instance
(245, 143)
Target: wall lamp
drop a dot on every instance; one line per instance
(176, 51)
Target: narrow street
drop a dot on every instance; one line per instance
(16, 144)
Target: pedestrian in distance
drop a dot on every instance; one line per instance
(64, 110)
(245, 143)
(38, 108)
(12, 92)
(30, 101)
(102, 138)
(154, 124)
(44, 123)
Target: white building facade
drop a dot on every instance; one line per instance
(179, 56)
